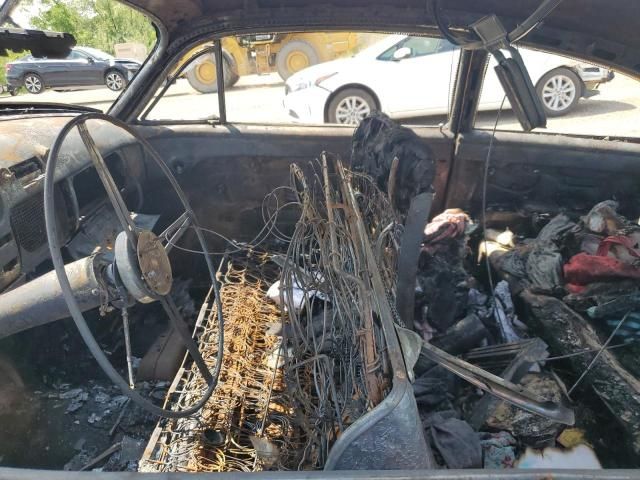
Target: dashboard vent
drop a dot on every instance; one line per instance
(28, 170)
(27, 219)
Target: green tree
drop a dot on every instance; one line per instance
(96, 23)
(62, 17)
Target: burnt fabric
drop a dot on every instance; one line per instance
(544, 260)
(442, 288)
(442, 280)
(377, 141)
(537, 264)
(449, 224)
(583, 269)
(621, 247)
(455, 440)
(434, 389)
(544, 267)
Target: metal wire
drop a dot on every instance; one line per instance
(227, 433)
(270, 228)
(333, 336)
(597, 356)
(283, 401)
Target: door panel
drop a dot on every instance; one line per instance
(53, 71)
(79, 72)
(227, 171)
(84, 70)
(531, 173)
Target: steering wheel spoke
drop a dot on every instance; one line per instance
(174, 232)
(122, 212)
(187, 340)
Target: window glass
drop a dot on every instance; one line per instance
(578, 97)
(117, 36)
(75, 55)
(418, 46)
(98, 54)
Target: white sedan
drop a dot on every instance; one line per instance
(407, 76)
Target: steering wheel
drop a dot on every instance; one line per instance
(141, 262)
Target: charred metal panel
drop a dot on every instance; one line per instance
(24, 147)
(545, 173)
(227, 172)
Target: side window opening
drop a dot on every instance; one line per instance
(313, 78)
(192, 82)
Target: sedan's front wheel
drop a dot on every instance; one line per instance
(33, 83)
(350, 106)
(560, 90)
(115, 80)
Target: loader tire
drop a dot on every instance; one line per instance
(203, 76)
(295, 56)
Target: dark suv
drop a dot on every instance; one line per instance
(83, 67)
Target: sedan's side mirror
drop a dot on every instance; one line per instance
(90, 60)
(403, 52)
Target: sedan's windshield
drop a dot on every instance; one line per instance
(112, 42)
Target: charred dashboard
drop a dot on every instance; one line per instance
(79, 194)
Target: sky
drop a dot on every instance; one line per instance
(22, 14)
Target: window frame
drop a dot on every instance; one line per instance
(221, 119)
(474, 126)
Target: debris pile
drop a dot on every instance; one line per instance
(578, 282)
(478, 319)
(468, 430)
(575, 285)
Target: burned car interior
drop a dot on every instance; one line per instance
(382, 301)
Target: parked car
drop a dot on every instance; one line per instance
(83, 67)
(346, 90)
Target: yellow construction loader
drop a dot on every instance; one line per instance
(266, 53)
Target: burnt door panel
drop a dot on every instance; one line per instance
(227, 171)
(544, 173)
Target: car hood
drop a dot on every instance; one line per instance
(340, 66)
(596, 30)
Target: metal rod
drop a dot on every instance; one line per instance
(514, 394)
(127, 346)
(595, 359)
(120, 207)
(222, 107)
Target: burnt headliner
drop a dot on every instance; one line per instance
(605, 31)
